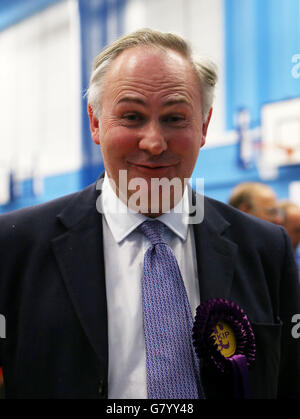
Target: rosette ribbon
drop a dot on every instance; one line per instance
(223, 337)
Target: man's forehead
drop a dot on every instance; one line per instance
(294, 213)
(266, 199)
(151, 71)
(140, 59)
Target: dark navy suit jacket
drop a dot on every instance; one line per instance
(52, 294)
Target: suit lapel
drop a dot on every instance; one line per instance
(216, 255)
(79, 253)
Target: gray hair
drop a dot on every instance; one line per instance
(205, 70)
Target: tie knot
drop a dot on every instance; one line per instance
(153, 230)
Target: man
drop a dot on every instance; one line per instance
(84, 281)
(291, 222)
(256, 199)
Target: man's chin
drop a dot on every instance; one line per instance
(151, 207)
(151, 197)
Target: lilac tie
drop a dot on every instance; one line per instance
(172, 367)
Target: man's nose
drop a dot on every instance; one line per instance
(153, 139)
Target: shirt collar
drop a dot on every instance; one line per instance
(122, 221)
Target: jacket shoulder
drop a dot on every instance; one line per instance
(236, 217)
(34, 217)
(247, 230)
(43, 220)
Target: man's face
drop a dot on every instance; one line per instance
(292, 226)
(265, 207)
(151, 121)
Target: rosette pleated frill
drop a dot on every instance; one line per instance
(225, 343)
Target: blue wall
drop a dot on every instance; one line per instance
(221, 172)
(261, 38)
(13, 11)
(93, 34)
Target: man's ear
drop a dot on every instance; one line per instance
(94, 125)
(245, 208)
(205, 127)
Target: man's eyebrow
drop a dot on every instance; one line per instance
(169, 102)
(130, 99)
(177, 101)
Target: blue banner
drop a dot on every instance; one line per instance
(100, 24)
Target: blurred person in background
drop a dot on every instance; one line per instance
(290, 213)
(291, 222)
(256, 199)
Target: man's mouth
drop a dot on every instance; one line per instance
(158, 169)
(154, 166)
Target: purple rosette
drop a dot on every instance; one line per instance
(211, 317)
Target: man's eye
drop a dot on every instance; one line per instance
(132, 117)
(174, 119)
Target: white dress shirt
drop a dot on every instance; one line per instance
(124, 250)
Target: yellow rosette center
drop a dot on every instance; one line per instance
(224, 339)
